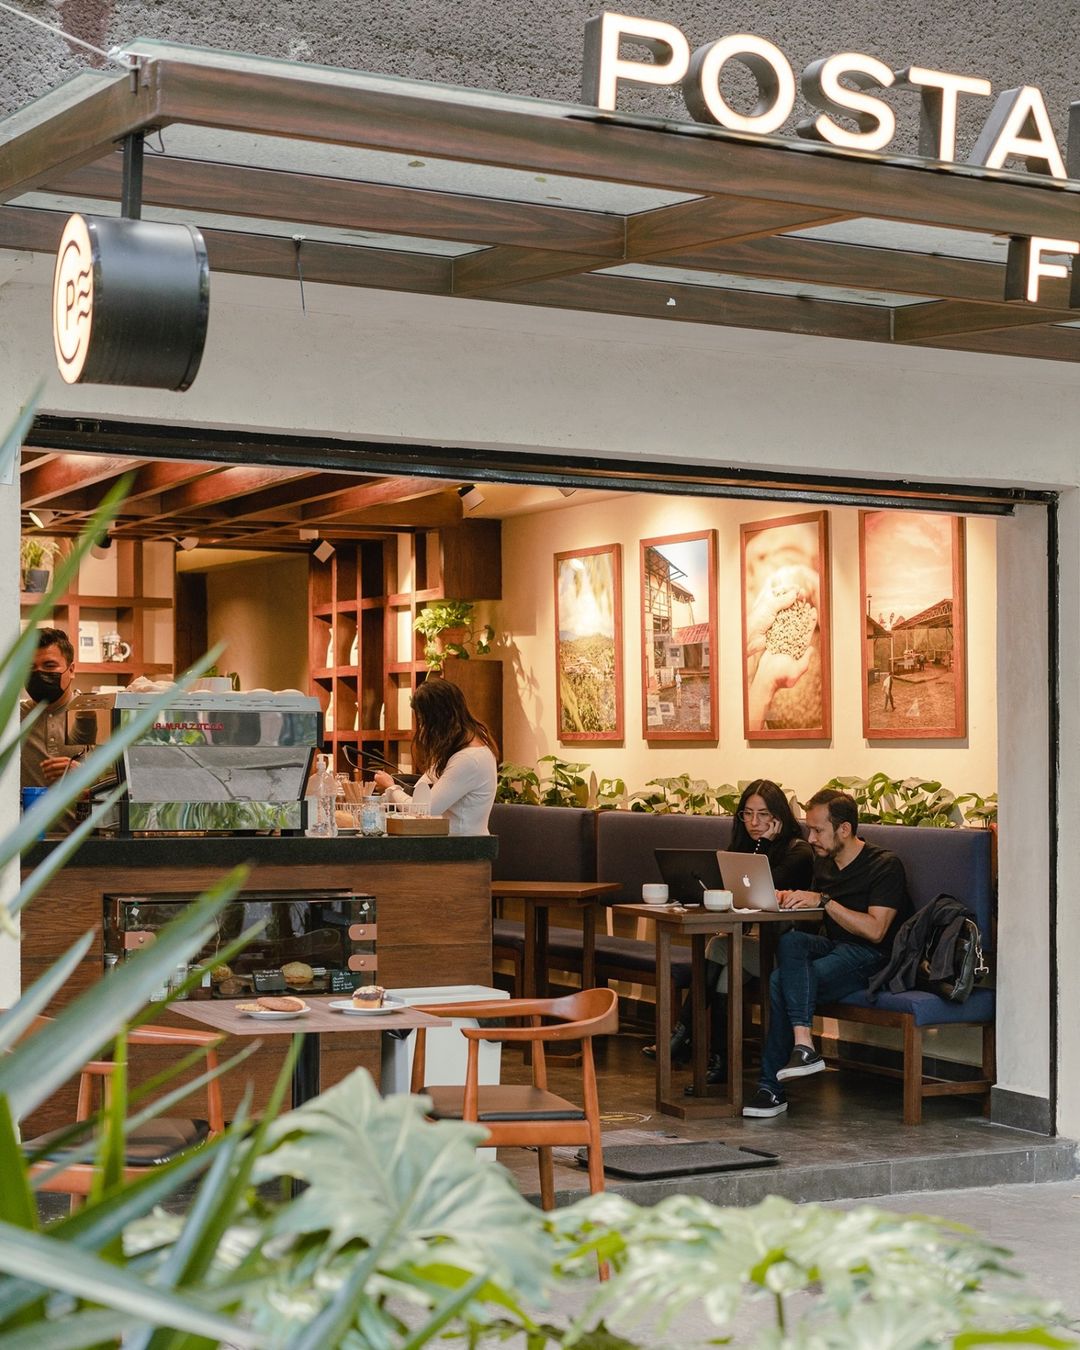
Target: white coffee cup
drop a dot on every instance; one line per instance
(717, 899)
(654, 893)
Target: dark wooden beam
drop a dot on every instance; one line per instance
(824, 263)
(371, 494)
(413, 118)
(36, 146)
(67, 473)
(238, 190)
(224, 485)
(705, 304)
(292, 494)
(955, 318)
(1044, 343)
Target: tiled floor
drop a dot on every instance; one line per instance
(842, 1138)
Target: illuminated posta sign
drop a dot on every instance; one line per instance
(131, 302)
(1018, 126)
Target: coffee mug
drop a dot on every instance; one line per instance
(717, 900)
(654, 893)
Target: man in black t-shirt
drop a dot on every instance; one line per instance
(862, 892)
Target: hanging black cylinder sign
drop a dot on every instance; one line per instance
(131, 302)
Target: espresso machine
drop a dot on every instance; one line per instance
(223, 763)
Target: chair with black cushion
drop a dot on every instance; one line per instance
(528, 1115)
(148, 1145)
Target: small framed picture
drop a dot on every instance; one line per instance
(785, 628)
(912, 585)
(588, 644)
(679, 669)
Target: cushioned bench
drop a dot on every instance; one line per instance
(957, 862)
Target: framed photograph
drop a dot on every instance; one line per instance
(588, 644)
(679, 670)
(912, 575)
(785, 628)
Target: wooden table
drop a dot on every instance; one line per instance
(537, 897)
(700, 924)
(221, 1015)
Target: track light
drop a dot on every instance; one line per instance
(41, 516)
(102, 549)
(188, 542)
(308, 534)
(471, 496)
(325, 551)
(567, 492)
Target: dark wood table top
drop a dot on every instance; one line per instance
(221, 1015)
(696, 918)
(553, 891)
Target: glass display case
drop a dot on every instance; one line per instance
(313, 942)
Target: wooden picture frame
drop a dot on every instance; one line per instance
(589, 644)
(912, 590)
(786, 665)
(680, 669)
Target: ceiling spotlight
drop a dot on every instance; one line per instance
(471, 496)
(325, 551)
(567, 492)
(189, 542)
(42, 516)
(308, 534)
(102, 548)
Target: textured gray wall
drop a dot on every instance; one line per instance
(534, 46)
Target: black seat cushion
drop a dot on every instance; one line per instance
(149, 1145)
(504, 1103)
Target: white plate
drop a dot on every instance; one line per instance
(346, 1005)
(272, 1015)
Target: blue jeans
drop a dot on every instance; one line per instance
(810, 969)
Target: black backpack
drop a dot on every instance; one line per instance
(938, 950)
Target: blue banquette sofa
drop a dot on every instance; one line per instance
(563, 844)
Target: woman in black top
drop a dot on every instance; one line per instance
(766, 824)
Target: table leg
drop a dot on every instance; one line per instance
(699, 1015)
(663, 1017)
(735, 1022)
(588, 947)
(528, 970)
(542, 990)
(768, 935)
(704, 1102)
(305, 1075)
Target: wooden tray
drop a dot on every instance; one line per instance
(429, 825)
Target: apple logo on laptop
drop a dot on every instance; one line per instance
(746, 880)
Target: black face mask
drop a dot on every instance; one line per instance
(44, 686)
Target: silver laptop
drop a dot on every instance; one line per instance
(749, 878)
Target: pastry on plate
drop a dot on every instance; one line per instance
(369, 996)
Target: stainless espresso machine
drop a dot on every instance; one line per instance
(221, 763)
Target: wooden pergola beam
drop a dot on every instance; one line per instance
(954, 318)
(379, 493)
(67, 473)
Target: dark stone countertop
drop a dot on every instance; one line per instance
(228, 851)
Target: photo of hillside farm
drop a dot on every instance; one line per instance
(588, 643)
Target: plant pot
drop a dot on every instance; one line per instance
(36, 580)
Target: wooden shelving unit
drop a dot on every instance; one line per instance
(362, 603)
(126, 613)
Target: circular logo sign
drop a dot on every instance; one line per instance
(73, 299)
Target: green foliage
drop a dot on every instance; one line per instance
(982, 811)
(901, 801)
(678, 796)
(564, 784)
(440, 616)
(517, 784)
(35, 551)
(610, 793)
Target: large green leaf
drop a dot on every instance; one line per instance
(406, 1175)
(75, 1332)
(37, 1067)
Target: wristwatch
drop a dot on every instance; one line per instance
(825, 901)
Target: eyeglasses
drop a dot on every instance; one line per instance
(759, 817)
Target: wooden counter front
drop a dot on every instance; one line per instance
(434, 916)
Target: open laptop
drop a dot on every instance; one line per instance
(688, 872)
(749, 878)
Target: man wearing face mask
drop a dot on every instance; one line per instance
(46, 755)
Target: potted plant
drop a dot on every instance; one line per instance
(450, 631)
(36, 556)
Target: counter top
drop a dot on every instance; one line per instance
(229, 851)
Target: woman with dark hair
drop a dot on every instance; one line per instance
(455, 756)
(765, 824)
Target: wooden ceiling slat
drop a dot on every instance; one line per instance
(379, 493)
(945, 318)
(292, 494)
(332, 264)
(68, 473)
(705, 304)
(76, 134)
(224, 485)
(312, 199)
(412, 118)
(1041, 343)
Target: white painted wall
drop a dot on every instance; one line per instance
(526, 617)
(412, 368)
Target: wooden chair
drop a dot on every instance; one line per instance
(523, 1116)
(151, 1144)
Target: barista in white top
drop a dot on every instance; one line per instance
(456, 756)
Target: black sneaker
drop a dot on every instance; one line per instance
(765, 1103)
(804, 1061)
